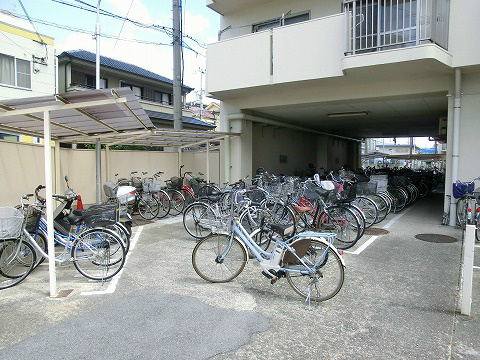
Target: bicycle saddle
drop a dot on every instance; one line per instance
(283, 230)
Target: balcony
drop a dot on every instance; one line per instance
(368, 33)
(309, 50)
(376, 25)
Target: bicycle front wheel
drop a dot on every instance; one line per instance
(98, 254)
(343, 222)
(17, 260)
(148, 208)
(177, 201)
(327, 278)
(164, 202)
(216, 260)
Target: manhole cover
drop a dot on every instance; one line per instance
(375, 231)
(436, 238)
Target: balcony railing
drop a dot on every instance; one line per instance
(375, 25)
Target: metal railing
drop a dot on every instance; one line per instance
(375, 25)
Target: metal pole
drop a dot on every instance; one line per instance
(49, 204)
(97, 40)
(98, 158)
(98, 149)
(177, 67)
(179, 159)
(457, 105)
(201, 94)
(107, 162)
(58, 177)
(208, 162)
(467, 270)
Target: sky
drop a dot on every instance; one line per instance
(199, 22)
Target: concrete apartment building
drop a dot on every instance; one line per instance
(27, 64)
(286, 71)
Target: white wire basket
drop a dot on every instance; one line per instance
(11, 222)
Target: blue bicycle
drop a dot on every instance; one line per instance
(312, 265)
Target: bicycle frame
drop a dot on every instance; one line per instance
(238, 230)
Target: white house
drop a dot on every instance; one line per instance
(287, 70)
(27, 63)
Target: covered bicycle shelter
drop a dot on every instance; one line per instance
(108, 116)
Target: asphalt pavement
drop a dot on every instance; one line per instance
(399, 301)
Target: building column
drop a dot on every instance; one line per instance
(241, 149)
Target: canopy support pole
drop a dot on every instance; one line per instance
(107, 162)
(49, 204)
(208, 161)
(98, 160)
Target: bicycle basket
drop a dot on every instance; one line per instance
(461, 189)
(11, 221)
(110, 189)
(476, 193)
(367, 188)
(309, 192)
(100, 215)
(176, 182)
(349, 192)
(32, 218)
(398, 181)
(137, 182)
(256, 196)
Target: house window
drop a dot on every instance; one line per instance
(15, 72)
(89, 81)
(287, 20)
(137, 91)
(163, 98)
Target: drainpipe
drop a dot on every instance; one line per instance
(457, 106)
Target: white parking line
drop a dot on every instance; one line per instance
(113, 283)
(476, 267)
(374, 237)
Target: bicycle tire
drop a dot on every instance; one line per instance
(148, 208)
(331, 270)
(369, 209)
(199, 219)
(187, 196)
(382, 206)
(340, 220)
(177, 201)
(164, 202)
(122, 232)
(360, 217)
(98, 254)
(17, 260)
(206, 262)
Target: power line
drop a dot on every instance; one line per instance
(35, 29)
(92, 8)
(123, 24)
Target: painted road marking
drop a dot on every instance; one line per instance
(374, 237)
(113, 283)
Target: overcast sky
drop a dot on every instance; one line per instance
(199, 22)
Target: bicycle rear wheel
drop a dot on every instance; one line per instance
(327, 279)
(369, 209)
(199, 220)
(17, 260)
(98, 254)
(214, 261)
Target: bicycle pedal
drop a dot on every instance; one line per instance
(273, 280)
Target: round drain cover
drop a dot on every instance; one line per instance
(436, 238)
(376, 231)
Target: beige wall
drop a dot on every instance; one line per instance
(242, 21)
(22, 168)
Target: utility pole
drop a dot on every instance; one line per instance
(177, 66)
(201, 92)
(98, 146)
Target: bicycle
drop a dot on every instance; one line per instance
(312, 265)
(17, 258)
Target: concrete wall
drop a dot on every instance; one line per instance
(269, 143)
(242, 21)
(22, 168)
